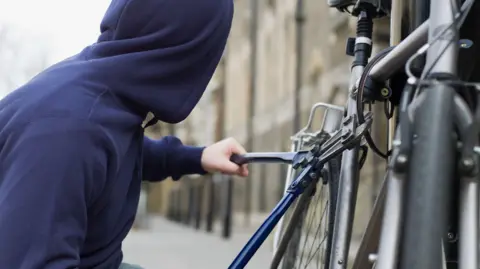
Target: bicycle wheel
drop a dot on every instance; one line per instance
(307, 239)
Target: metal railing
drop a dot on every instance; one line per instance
(197, 204)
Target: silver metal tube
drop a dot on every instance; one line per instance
(468, 228)
(397, 58)
(442, 54)
(395, 39)
(347, 193)
(432, 160)
(371, 236)
(391, 225)
(444, 259)
(468, 233)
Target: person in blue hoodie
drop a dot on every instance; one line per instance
(72, 146)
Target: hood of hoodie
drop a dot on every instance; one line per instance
(161, 54)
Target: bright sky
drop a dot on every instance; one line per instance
(68, 25)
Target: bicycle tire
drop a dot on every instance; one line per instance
(429, 181)
(290, 242)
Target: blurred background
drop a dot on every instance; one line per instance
(282, 57)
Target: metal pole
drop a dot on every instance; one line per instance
(254, 6)
(392, 221)
(347, 196)
(170, 206)
(432, 160)
(299, 23)
(395, 38)
(191, 201)
(262, 200)
(174, 204)
(185, 204)
(348, 184)
(211, 204)
(371, 236)
(227, 222)
(199, 205)
(219, 134)
(171, 129)
(177, 205)
(377, 162)
(469, 224)
(396, 59)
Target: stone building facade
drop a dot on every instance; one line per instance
(228, 108)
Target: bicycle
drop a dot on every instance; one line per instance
(430, 192)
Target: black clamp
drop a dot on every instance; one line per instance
(374, 90)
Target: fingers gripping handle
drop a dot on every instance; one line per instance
(239, 159)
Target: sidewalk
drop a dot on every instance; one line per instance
(168, 245)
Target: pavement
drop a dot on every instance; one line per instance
(169, 245)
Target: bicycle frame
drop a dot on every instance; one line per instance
(390, 199)
(391, 194)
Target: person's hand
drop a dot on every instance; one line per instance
(216, 158)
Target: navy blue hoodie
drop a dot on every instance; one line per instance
(72, 146)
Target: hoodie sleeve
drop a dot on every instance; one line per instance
(47, 180)
(168, 157)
